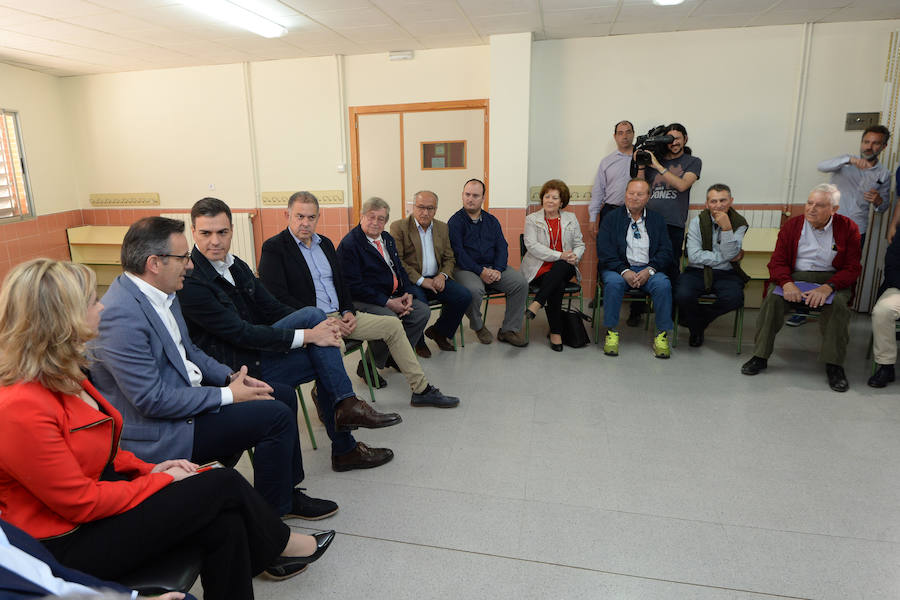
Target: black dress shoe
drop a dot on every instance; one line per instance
(362, 457)
(351, 413)
(696, 339)
(837, 380)
(288, 566)
(754, 365)
(311, 509)
(883, 375)
(378, 381)
(634, 319)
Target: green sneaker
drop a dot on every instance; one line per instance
(661, 346)
(611, 345)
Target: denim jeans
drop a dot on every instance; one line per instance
(659, 288)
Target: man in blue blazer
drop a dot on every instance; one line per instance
(376, 277)
(634, 252)
(176, 401)
(28, 570)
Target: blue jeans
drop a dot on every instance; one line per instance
(659, 288)
(455, 299)
(324, 364)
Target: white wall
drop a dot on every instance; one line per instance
(46, 135)
(509, 131)
(734, 90)
(172, 131)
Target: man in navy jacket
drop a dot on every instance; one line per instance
(377, 280)
(28, 570)
(634, 252)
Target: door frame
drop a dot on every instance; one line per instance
(356, 111)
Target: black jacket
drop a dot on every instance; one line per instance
(232, 323)
(367, 275)
(891, 266)
(612, 244)
(284, 272)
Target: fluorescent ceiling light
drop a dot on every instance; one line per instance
(231, 13)
(667, 2)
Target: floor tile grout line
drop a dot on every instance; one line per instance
(638, 514)
(552, 564)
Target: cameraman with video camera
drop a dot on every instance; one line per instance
(670, 179)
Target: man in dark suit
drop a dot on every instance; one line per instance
(235, 319)
(423, 244)
(634, 252)
(176, 401)
(377, 280)
(300, 268)
(28, 570)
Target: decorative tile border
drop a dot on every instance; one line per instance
(280, 199)
(125, 200)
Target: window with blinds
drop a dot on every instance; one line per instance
(15, 192)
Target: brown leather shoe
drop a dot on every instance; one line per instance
(484, 336)
(423, 350)
(442, 342)
(516, 338)
(352, 412)
(362, 457)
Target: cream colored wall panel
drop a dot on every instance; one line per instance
(297, 118)
(46, 136)
(379, 159)
(509, 131)
(444, 125)
(431, 76)
(176, 131)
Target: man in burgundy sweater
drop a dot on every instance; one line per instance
(816, 263)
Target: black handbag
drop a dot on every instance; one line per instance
(574, 333)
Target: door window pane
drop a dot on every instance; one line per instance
(444, 155)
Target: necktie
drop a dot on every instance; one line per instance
(383, 255)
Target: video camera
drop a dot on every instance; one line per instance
(655, 141)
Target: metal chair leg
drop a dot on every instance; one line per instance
(369, 374)
(302, 402)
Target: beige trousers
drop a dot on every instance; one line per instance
(884, 316)
(390, 329)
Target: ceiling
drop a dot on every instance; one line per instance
(76, 37)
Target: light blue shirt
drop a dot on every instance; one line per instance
(429, 262)
(726, 246)
(320, 269)
(853, 182)
(610, 182)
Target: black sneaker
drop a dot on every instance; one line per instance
(311, 509)
(882, 376)
(431, 396)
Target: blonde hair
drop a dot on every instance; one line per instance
(43, 323)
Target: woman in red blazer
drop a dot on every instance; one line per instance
(97, 508)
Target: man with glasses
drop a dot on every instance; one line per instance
(423, 244)
(634, 252)
(178, 402)
(300, 268)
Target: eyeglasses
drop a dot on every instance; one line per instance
(183, 257)
(425, 208)
(634, 231)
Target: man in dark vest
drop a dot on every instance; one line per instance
(714, 253)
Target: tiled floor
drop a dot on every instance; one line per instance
(577, 475)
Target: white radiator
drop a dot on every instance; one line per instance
(755, 218)
(241, 242)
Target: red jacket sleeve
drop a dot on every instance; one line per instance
(780, 265)
(847, 262)
(34, 452)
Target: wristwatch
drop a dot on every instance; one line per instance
(652, 271)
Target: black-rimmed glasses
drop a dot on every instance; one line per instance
(183, 257)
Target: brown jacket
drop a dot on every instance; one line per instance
(409, 247)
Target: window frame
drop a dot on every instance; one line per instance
(8, 161)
